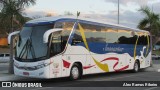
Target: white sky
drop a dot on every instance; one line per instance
(100, 9)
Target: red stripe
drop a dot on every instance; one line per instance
(110, 58)
(115, 64)
(87, 67)
(66, 64)
(121, 69)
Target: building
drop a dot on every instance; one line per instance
(3, 40)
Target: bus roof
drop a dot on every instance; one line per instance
(59, 18)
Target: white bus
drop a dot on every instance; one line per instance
(56, 47)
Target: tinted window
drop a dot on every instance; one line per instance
(59, 39)
(58, 25)
(77, 37)
(64, 25)
(127, 37)
(7, 55)
(1, 55)
(56, 43)
(111, 35)
(143, 38)
(93, 33)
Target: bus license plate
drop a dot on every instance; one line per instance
(26, 73)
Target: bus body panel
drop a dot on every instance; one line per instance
(61, 64)
(92, 59)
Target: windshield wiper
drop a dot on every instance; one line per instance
(28, 47)
(43, 57)
(24, 48)
(32, 49)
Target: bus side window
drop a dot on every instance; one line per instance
(55, 47)
(77, 39)
(111, 35)
(98, 36)
(65, 36)
(1, 55)
(93, 33)
(143, 40)
(126, 37)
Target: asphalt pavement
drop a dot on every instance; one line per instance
(4, 66)
(88, 82)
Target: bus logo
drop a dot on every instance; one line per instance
(6, 84)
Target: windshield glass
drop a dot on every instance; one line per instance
(30, 44)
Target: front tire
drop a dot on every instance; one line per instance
(136, 67)
(75, 72)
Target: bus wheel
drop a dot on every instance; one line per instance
(75, 72)
(136, 67)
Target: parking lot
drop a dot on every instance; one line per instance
(90, 81)
(149, 74)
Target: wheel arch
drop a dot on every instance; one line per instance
(138, 61)
(80, 65)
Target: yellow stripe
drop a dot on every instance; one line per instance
(148, 46)
(135, 48)
(83, 36)
(104, 67)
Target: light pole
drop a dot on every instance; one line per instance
(118, 11)
(11, 71)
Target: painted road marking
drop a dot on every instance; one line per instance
(151, 88)
(42, 88)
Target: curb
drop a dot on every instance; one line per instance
(4, 63)
(4, 72)
(5, 76)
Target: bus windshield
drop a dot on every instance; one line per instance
(30, 46)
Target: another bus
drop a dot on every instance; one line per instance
(56, 47)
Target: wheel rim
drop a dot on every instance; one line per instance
(136, 67)
(75, 72)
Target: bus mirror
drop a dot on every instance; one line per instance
(12, 34)
(47, 33)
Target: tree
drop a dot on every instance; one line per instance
(36, 17)
(11, 12)
(49, 15)
(151, 21)
(68, 13)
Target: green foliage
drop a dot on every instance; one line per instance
(158, 43)
(68, 13)
(151, 21)
(157, 52)
(11, 15)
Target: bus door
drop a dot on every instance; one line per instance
(55, 54)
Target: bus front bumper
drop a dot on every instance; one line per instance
(34, 69)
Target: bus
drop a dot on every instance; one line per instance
(54, 47)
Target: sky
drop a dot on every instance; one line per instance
(105, 10)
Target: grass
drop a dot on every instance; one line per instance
(4, 46)
(156, 52)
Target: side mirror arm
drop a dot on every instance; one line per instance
(47, 33)
(12, 34)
